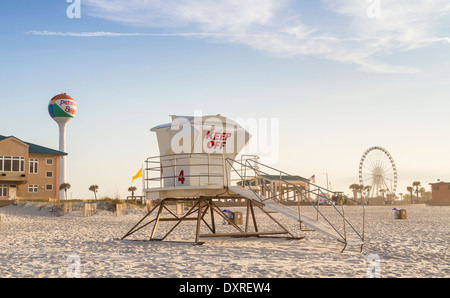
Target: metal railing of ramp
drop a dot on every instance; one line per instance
(268, 183)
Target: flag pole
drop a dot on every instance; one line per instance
(143, 182)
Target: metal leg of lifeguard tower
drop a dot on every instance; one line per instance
(201, 206)
(196, 208)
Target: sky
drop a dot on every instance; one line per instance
(336, 76)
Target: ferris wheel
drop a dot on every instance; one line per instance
(377, 170)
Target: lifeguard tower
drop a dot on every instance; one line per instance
(198, 167)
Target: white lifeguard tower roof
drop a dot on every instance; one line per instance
(213, 134)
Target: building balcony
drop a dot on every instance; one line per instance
(13, 177)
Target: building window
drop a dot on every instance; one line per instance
(49, 174)
(3, 190)
(49, 187)
(12, 164)
(49, 161)
(33, 166)
(18, 164)
(436, 187)
(7, 163)
(32, 188)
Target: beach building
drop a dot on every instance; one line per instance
(440, 191)
(28, 171)
(289, 187)
(285, 187)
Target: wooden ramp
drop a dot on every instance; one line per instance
(294, 214)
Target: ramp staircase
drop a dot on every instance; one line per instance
(315, 209)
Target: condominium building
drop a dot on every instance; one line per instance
(28, 171)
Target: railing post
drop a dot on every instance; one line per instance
(224, 168)
(160, 173)
(174, 171)
(279, 189)
(343, 219)
(208, 172)
(318, 199)
(299, 214)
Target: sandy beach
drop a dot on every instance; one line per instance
(36, 243)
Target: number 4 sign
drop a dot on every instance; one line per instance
(181, 177)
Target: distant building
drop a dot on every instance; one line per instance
(440, 191)
(285, 187)
(28, 171)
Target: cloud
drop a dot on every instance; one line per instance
(400, 22)
(208, 15)
(368, 33)
(398, 26)
(116, 34)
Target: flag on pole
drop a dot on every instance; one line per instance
(138, 174)
(312, 179)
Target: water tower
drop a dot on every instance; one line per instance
(62, 108)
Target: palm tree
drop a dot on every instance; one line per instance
(355, 188)
(65, 187)
(367, 188)
(416, 184)
(132, 189)
(423, 194)
(360, 190)
(410, 189)
(94, 188)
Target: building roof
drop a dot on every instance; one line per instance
(439, 182)
(33, 148)
(285, 177)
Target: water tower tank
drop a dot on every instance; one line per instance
(62, 108)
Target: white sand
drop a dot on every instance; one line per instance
(35, 243)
